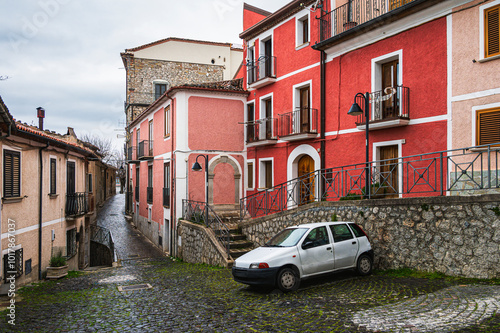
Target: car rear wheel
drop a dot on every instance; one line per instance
(288, 280)
(365, 265)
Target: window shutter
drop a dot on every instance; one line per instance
(12, 174)
(488, 126)
(53, 188)
(492, 18)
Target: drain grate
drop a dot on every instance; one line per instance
(135, 287)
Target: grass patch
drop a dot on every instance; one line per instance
(411, 273)
(74, 274)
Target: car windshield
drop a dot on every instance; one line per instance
(287, 237)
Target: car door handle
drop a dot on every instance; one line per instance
(328, 248)
(353, 243)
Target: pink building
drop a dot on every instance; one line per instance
(167, 137)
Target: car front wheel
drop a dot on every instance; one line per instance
(288, 280)
(365, 265)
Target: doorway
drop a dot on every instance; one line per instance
(306, 180)
(389, 171)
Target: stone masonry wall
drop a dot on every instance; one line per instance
(199, 245)
(457, 236)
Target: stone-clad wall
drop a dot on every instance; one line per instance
(199, 245)
(458, 236)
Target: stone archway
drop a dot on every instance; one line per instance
(211, 175)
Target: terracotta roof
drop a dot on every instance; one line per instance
(174, 39)
(280, 15)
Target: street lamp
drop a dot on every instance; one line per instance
(356, 110)
(197, 167)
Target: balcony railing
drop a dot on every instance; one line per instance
(262, 68)
(387, 105)
(354, 13)
(137, 193)
(300, 121)
(76, 204)
(149, 197)
(131, 153)
(262, 130)
(166, 197)
(146, 149)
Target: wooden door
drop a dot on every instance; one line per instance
(304, 110)
(70, 178)
(390, 79)
(250, 123)
(389, 171)
(306, 182)
(268, 53)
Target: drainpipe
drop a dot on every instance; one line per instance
(323, 112)
(171, 242)
(40, 211)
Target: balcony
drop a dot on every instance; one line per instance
(132, 155)
(76, 204)
(149, 196)
(388, 109)
(358, 12)
(299, 125)
(262, 132)
(166, 197)
(146, 150)
(137, 193)
(261, 72)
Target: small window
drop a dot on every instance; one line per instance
(266, 174)
(160, 90)
(13, 263)
(488, 126)
(138, 138)
(27, 267)
(12, 174)
(341, 232)
(71, 243)
(53, 176)
(90, 183)
(303, 30)
(491, 31)
(167, 121)
(250, 175)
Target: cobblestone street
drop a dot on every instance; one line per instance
(181, 297)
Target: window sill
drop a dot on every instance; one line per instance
(53, 196)
(300, 47)
(489, 58)
(12, 200)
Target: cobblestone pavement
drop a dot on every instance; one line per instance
(182, 297)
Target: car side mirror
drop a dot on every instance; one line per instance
(307, 245)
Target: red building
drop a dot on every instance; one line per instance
(307, 64)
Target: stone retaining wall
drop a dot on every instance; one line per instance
(198, 244)
(457, 236)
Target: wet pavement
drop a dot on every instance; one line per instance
(178, 297)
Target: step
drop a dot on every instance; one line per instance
(236, 253)
(240, 244)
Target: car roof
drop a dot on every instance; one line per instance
(318, 224)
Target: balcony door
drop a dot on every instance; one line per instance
(304, 110)
(389, 171)
(250, 123)
(268, 104)
(268, 53)
(306, 182)
(390, 73)
(70, 178)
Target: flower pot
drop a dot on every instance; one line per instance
(57, 272)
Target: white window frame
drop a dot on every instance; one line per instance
(299, 31)
(376, 157)
(482, 35)
(296, 95)
(475, 109)
(245, 117)
(253, 174)
(262, 173)
(166, 133)
(377, 72)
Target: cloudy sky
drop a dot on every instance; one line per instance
(64, 55)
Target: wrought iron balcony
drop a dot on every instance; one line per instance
(354, 13)
(131, 154)
(146, 150)
(388, 109)
(262, 132)
(149, 196)
(166, 197)
(137, 193)
(76, 204)
(261, 72)
(299, 124)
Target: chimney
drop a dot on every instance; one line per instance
(40, 113)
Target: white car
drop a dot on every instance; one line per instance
(303, 251)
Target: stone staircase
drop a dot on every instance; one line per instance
(238, 244)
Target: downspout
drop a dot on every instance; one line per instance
(173, 170)
(40, 211)
(323, 110)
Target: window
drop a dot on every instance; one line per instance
(90, 183)
(341, 232)
(267, 116)
(491, 31)
(387, 73)
(70, 177)
(488, 126)
(71, 243)
(166, 185)
(160, 89)
(137, 173)
(11, 174)
(317, 237)
(138, 138)
(149, 198)
(303, 30)
(250, 175)
(167, 121)
(53, 176)
(251, 68)
(266, 174)
(27, 266)
(252, 135)
(13, 263)
(150, 143)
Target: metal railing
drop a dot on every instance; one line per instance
(262, 129)
(166, 197)
(131, 154)
(76, 204)
(354, 13)
(102, 236)
(149, 194)
(300, 121)
(465, 170)
(263, 67)
(195, 211)
(145, 149)
(387, 105)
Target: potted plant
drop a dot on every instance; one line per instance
(57, 267)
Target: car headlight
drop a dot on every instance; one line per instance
(259, 265)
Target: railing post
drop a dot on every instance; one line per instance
(489, 167)
(442, 175)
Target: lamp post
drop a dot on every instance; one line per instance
(356, 110)
(197, 167)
